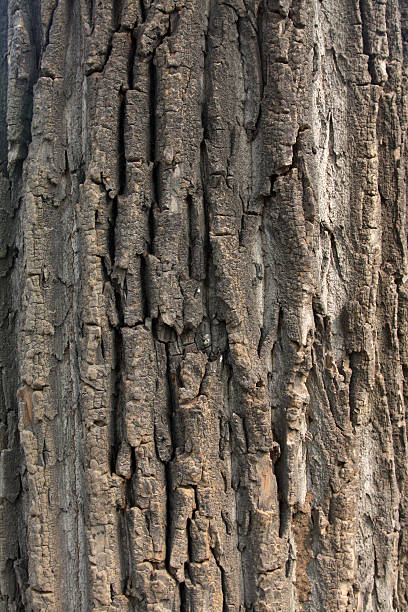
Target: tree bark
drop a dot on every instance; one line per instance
(204, 305)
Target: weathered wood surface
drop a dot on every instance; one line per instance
(203, 305)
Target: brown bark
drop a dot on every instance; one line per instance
(204, 302)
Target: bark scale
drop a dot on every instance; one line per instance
(204, 305)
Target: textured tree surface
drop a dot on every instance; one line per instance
(203, 305)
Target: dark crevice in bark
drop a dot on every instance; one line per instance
(207, 241)
(248, 72)
(335, 255)
(144, 279)
(245, 430)
(259, 31)
(117, 14)
(190, 234)
(273, 178)
(82, 572)
(44, 454)
(331, 516)
(116, 412)
(142, 10)
(172, 397)
(116, 420)
(184, 603)
(130, 496)
(172, 406)
(206, 244)
(91, 11)
(189, 544)
(151, 227)
(332, 153)
(279, 430)
(118, 282)
(204, 160)
(50, 24)
(117, 395)
(152, 131)
(131, 59)
(156, 184)
(266, 235)
(125, 552)
(35, 32)
(121, 148)
(252, 130)
(297, 160)
(216, 557)
(152, 108)
(112, 243)
(262, 337)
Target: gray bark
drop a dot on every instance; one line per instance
(203, 305)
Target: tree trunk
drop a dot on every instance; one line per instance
(204, 305)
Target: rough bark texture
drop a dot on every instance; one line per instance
(204, 305)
